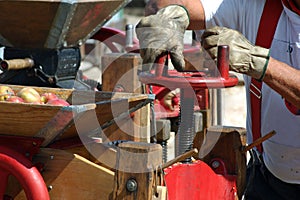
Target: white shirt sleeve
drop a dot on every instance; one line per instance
(241, 15)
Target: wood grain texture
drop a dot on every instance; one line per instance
(136, 161)
(70, 176)
(225, 143)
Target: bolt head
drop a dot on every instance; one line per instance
(131, 185)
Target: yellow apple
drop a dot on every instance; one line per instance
(29, 95)
(5, 92)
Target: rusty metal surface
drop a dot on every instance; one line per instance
(53, 24)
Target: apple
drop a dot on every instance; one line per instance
(15, 99)
(4, 97)
(29, 95)
(5, 92)
(47, 96)
(58, 102)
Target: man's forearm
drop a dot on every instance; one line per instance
(285, 80)
(194, 9)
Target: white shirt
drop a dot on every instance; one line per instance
(282, 151)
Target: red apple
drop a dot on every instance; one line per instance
(15, 99)
(29, 95)
(47, 96)
(5, 92)
(58, 102)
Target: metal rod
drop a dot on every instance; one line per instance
(219, 107)
(258, 141)
(129, 35)
(182, 157)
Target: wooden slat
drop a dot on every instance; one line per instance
(70, 176)
(61, 121)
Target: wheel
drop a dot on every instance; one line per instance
(13, 163)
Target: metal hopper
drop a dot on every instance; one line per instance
(52, 24)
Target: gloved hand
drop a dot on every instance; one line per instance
(163, 32)
(243, 56)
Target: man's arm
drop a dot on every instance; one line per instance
(194, 8)
(254, 61)
(285, 80)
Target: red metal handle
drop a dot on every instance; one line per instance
(173, 79)
(161, 65)
(223, 61)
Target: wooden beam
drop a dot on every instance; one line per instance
(120, 73)
(135, 177)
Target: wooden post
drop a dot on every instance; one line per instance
(121, 70)
(120, 73)
(135, 175)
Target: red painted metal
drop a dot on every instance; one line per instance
(202, 96)
(199, 81)
(111, 36)
(195, 80)
(223, 61)
(198, 181)
(28, 146)
(17, 164)
(218, 166)
(173, 79)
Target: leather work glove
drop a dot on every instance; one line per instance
(163, 32)
(243, 56)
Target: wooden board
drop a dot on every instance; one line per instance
(127, 65)
(70, 176)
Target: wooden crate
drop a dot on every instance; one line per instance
(88, 111)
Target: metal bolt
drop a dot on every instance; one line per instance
(129, 35)
(50, 187)
(215, 164)
(131, 185)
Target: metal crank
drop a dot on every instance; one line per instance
(193, 179)
(189, 82)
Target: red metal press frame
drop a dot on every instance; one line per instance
(16, 154)
(194, 180)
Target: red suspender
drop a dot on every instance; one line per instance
(268, 23)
